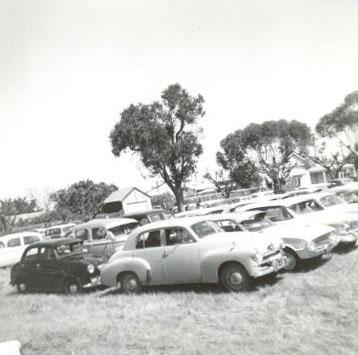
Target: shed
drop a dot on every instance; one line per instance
(126, 200)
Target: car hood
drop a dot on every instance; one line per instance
(328, 217)
(299, 229)
(250, 241)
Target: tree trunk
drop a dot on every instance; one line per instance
(179, 196)
(277, 186)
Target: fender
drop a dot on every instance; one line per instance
(213, 259)
(136, 265)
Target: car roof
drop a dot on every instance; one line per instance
(106, 223)
(61, 225)
(20, 234)
(54, 243)
(237, 216)
(144, 212)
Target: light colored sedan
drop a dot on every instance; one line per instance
(189, 250)
(13, 245)
(102, 237)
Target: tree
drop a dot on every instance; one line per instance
(10, 208)
(342, 123)
(222, 185)
(81, 199)
(332, 162)
(264, 148)
(242, 171)
(163, 135)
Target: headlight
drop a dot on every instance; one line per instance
(257, 258)
(91, 268)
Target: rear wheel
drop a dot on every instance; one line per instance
(234, 278)
(129, 283)
(71, 287)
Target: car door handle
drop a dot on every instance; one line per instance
(38, 266)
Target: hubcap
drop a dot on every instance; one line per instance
(73, 288)
(22, 287)
(235, 278)
(131, 284)
(290, 262)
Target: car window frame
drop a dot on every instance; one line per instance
(177, 244)
(150, 231)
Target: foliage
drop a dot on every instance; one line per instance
(342, 123)
(162, 134)
(80, 200)
(264, 148)
(223, 186)
(332, 162)
(164, 200)
(10, 208)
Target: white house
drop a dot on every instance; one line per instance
(126, 200)
(307, 173)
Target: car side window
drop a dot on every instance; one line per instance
(14, 242)
(2, 245)
(99, 233)
(149, 240)
(81, 234)
(31, 239)
(31, 254)
(178, 236)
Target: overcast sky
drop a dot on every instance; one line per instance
(68, 68)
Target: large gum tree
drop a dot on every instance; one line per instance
(164, 135)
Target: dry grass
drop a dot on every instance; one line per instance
(309, 312)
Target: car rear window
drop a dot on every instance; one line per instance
(124, 229)
(205, 228)
(31, 239)
(275, 213)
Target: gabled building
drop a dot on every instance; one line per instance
(307, 173)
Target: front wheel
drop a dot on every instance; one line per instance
(291, 261)
(129, 283)
(234, 278)
(21, 287)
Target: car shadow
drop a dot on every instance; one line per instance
(344, 249)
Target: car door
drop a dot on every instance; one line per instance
(48, 273)
(150, 247)
(28, 268)
(181, 256)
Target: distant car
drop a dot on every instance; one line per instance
(58, 231)
(189, 250)
(300, 242)
(339, 182)
(348, 192)
(104, 236)
(61, 265)
(13, 245)
(149, 216)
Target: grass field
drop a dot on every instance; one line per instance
(314, 311)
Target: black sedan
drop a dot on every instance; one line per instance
(61, 265)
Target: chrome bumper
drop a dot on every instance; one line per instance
(269, 266)
(95, 281)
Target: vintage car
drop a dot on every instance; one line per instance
(102, 237)
(189, 250)
(348, 193)
(149, 216)
(58, 231)
(61, 265)
(293, 212)
(300, 243)
(13, 245)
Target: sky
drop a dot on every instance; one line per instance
(69, 67)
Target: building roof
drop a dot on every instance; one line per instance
(122, 194)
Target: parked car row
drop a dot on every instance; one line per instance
(229, 246)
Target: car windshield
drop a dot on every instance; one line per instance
(348, 196)
(276, 213)
(205, 228)
(331, 200)
(70, 249)
(123, 229)
(307, 206)
(256, 224)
